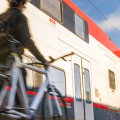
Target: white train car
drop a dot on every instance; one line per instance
(90, 81)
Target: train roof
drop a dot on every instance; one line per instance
(95, 30)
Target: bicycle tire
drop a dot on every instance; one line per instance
(63, 108)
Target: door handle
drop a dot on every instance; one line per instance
(88, 101)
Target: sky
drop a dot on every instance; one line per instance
(110, 9)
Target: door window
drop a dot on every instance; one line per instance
(77, 82)
(87, 84)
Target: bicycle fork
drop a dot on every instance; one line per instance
(56, 101)
(40, 92)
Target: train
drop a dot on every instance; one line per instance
(90, 80)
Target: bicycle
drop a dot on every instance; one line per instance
(14, 76)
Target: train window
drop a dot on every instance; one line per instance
(29, 78)
(111, 79)
(77, 82)
(87, 84)
(52, 7)
(38, 77)
(79, 26)
(57, 78)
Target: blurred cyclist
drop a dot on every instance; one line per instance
(20, 31)
(20, 28)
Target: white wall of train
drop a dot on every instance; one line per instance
(55, 40)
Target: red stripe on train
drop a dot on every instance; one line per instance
(71, 100)
(100, 106)
(95, 30)
(67, 99)
(96, 105)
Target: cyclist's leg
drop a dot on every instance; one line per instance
(24, 73)
(1, 83)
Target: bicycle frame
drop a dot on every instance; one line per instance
(18, 78)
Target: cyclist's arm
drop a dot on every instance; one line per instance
(33, 49)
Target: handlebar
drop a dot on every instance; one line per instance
(62, 57)
(53, 60)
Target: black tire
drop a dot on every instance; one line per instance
(45, 107)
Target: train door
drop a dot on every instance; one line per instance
(78, 88)
(112, 88)
(83, 107)
(88, 104)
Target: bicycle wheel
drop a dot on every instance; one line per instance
(46, 110)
